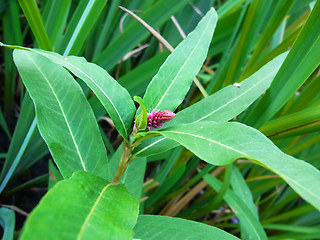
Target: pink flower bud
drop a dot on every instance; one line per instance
(156, 118)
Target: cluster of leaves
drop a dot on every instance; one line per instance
(209, 163)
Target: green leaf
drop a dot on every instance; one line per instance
(4, 125)
(82, 21)
(7, 221)
(221, 106)
(32, 14)
(83, 207)
(278, 15)
(254, 230)
(231, 100)
(162, 227)
(64, 117)
(255, 17)
(133, 177)
(56, 21)
(112, 95)
(302, 60)
(295, 124)
(241, 189)
(170, 85)
(142, 118)
(222, 143)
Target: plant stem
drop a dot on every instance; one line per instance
(124, 162)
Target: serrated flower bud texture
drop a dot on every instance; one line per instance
(156, 118)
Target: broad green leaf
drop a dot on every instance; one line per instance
(152, 227)
(221, 106)
(7, 221)
(222, 143)
(170, 85)
(83, 207)
(64, 117)
(114, 98)
(302, 60)
(155, 145)
(242, 211)
(231, 100)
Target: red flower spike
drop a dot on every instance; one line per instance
(156, 118)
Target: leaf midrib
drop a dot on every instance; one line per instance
(105, 94)
(63, 113)
(207, 139)
(86, 221)
(173, 81)
(282, 175)
(234, 99)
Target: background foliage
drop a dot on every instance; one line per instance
(248, 35)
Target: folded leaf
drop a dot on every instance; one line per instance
(222, 143)
(83, 207)
(64, 117)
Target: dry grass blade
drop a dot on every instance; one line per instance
(150, 29)
(176, 208)
(165, 42)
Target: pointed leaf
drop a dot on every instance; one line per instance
(142, 119)
(162, 227)
(253, 227)
(83, 207)
(222, 143)
(112, 95)
(169, 87)
(64, 117)
(231, 100)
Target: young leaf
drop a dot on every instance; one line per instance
(83, 207)
(154, 227)
(222, 143)
(112, 95)
(170, 85)
(142, 118)
(64, 117)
